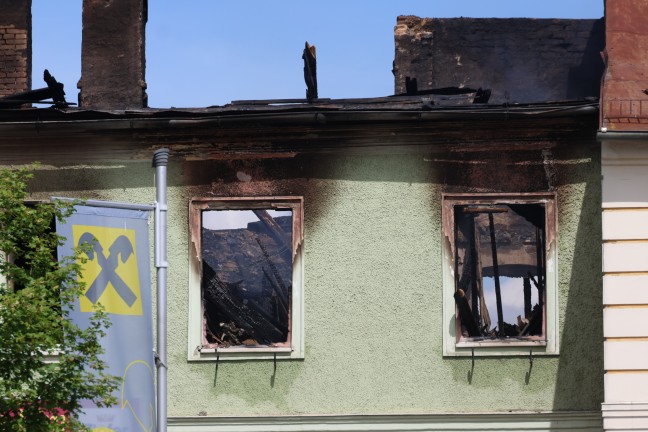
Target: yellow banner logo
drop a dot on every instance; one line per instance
(110, 271)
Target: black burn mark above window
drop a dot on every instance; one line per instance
(500, 270)
(247, 276)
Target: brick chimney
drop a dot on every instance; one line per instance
(112, 55)
(15, 47)
(624, 99)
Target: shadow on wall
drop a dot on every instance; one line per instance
(579, 383)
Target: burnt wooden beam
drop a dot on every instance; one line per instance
(485, 320)
(54, 91)
(276, 233)
(465, 315)
(266, 102)
(474, 291)
(247, 316)
(310, 72)
(534, 327)
(498, 294)
(280, 294)
(275, 271)
(527, 297)
(540, 264)
(484, 210)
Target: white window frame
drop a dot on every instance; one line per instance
(452, 345)
(196, 351)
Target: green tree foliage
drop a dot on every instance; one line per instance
(35, 299)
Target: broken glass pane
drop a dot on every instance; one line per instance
(247, 276)
(500, 269)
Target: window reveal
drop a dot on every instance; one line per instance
(247, 277)
(500, 273)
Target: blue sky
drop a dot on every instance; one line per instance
(210, 52)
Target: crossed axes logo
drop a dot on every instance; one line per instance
(121, 249)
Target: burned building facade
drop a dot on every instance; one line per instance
(429, 260)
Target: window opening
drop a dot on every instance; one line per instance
(247, 267)
(500, 271)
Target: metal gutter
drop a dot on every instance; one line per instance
(622, 136)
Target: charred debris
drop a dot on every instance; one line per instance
(496, 243)
(54, 91)
(247, 274)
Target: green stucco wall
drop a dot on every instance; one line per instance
(372, 287)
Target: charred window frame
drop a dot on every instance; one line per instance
(245, 278)
(499, 272)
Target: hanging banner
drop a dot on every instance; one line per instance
(117, 276)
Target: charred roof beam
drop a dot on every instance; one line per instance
(54, 91)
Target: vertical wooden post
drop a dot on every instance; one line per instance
(485, 321)
(498, 294)
(475, 273)
(540, 264)
(527, 297)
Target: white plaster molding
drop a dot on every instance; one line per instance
(625, 354)
(625, 256)
(625, 416)
(625, 224)
(625, 322)
(624, 153)
(625, 289)
(626, 386)
(512, 421)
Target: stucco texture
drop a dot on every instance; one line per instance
(372, 283)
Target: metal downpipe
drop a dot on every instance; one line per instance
(160, 159)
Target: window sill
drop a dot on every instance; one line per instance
(252, 353)
(248, 350)
(51, 357)
(504, 343)
(536, 349)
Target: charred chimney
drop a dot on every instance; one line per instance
(112, 54)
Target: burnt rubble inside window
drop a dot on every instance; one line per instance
(247, 277)
(500, 270)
